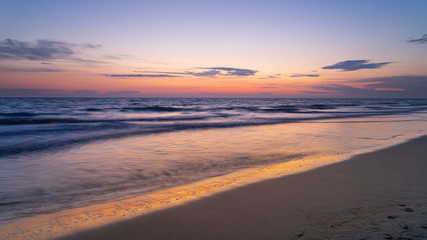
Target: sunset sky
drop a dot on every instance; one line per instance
(200, 48)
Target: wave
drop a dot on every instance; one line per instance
(322, 106)
(285, 109)
(94, 110)
(66, 136)
(154, 109)
(30, 125)
(20, 121)
(18, 114)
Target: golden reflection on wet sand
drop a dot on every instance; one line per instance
(53, 225)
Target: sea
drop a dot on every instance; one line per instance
(64, 153)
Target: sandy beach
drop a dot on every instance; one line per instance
(378, 195)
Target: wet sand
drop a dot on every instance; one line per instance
(378, 195)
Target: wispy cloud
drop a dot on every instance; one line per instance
(4, 69)
(272, 76)
(39, 50)
(208, 72)
(416, 85)
(304, 75)
(317, 92)
(395, 86)
(141, 75)
(227, 71)
(89, 45)
(420, 40)
(354, 65)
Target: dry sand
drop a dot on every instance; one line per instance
(379, 195)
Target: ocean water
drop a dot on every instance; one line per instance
(61, 153)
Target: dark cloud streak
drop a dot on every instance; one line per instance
(304, 75)
(4, 69)
(274, 76)
(142, 75)
(234, 71)
(210, 72)
(40, 50)
(354, 65)
(421, 40)
(394, 86)
(316, 92)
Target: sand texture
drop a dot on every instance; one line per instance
(379, 195)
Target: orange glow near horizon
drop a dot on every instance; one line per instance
(75, 81)
(124, 77)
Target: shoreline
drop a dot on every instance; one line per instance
(69, 221)
(381, 194)
(76, 220)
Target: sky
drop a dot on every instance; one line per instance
(300, 48)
